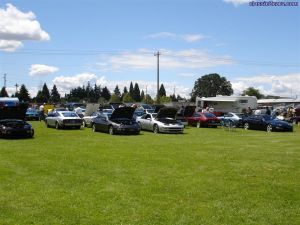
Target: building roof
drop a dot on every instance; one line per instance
(221, 98)
(279, 100)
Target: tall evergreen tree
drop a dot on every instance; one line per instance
(45, 93)
(125, 90)
(55, 96)
(23, 94)
(136, 93)
(131, 90)
(3, 92)
(105, 93)
(162, 91)
(117, 91)
(142, 95)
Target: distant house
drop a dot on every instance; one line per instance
(225, 104)
(280, 102)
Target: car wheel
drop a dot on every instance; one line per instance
(246, 126)
(269, 128)
(57, 125)
(94, 129)
(198, 125)
(155, 129)
(111, 130)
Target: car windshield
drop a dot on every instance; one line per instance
(209, 115)
(107, 114)
(69, 114)
(139, 113)
(31, 110)
(145, 106)
(240, 115)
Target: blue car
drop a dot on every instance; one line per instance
(267, 123)
(32, 114)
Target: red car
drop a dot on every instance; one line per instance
(205, 119)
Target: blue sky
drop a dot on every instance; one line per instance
(70, 43)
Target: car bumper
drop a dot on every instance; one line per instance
(127, 130)
(171, 130)
(17, 133)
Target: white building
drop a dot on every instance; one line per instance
(224, 104)
(280, 102)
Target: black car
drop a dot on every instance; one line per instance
(121, 121)
(12, 122)
(267, 123)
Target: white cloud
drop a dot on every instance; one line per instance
(185, 37)
(237, 2)
(286, 85)
(144, 59)
(65, 83)
(192, 37)
(17, 26)
(41, 70)
(9, 45)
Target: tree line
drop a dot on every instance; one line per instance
(92, 94)
(208, 85)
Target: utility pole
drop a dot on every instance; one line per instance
(157, 94)
(16, 85)
(4, 78)
(146, 90)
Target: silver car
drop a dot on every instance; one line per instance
(162, 122)
(63, 119)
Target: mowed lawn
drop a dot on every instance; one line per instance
(205, 176)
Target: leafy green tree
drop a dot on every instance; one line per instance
(162, 91)
(127, 98)
(211, 85)
(114, 98)
(136, 93)
(105, 93)
(164, 99)
(148, 99)
(251, 91)
(23, 94)
(125, 91)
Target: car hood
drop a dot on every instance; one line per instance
(123, 112)
(189, 111)
(167, 112)
(157, 108)
(13, 112)
(280, 122)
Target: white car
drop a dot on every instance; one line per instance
(162, 122)
(86, 120)
(63, 119)
(236, 118)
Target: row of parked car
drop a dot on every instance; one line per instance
(131, 120)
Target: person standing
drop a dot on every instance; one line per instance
(41, 112)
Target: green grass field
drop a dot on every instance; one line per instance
(205, 176)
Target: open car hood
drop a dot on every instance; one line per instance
(157, 108)
(123, 112)
(167, 112)
(189, 111)
(13, 112)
